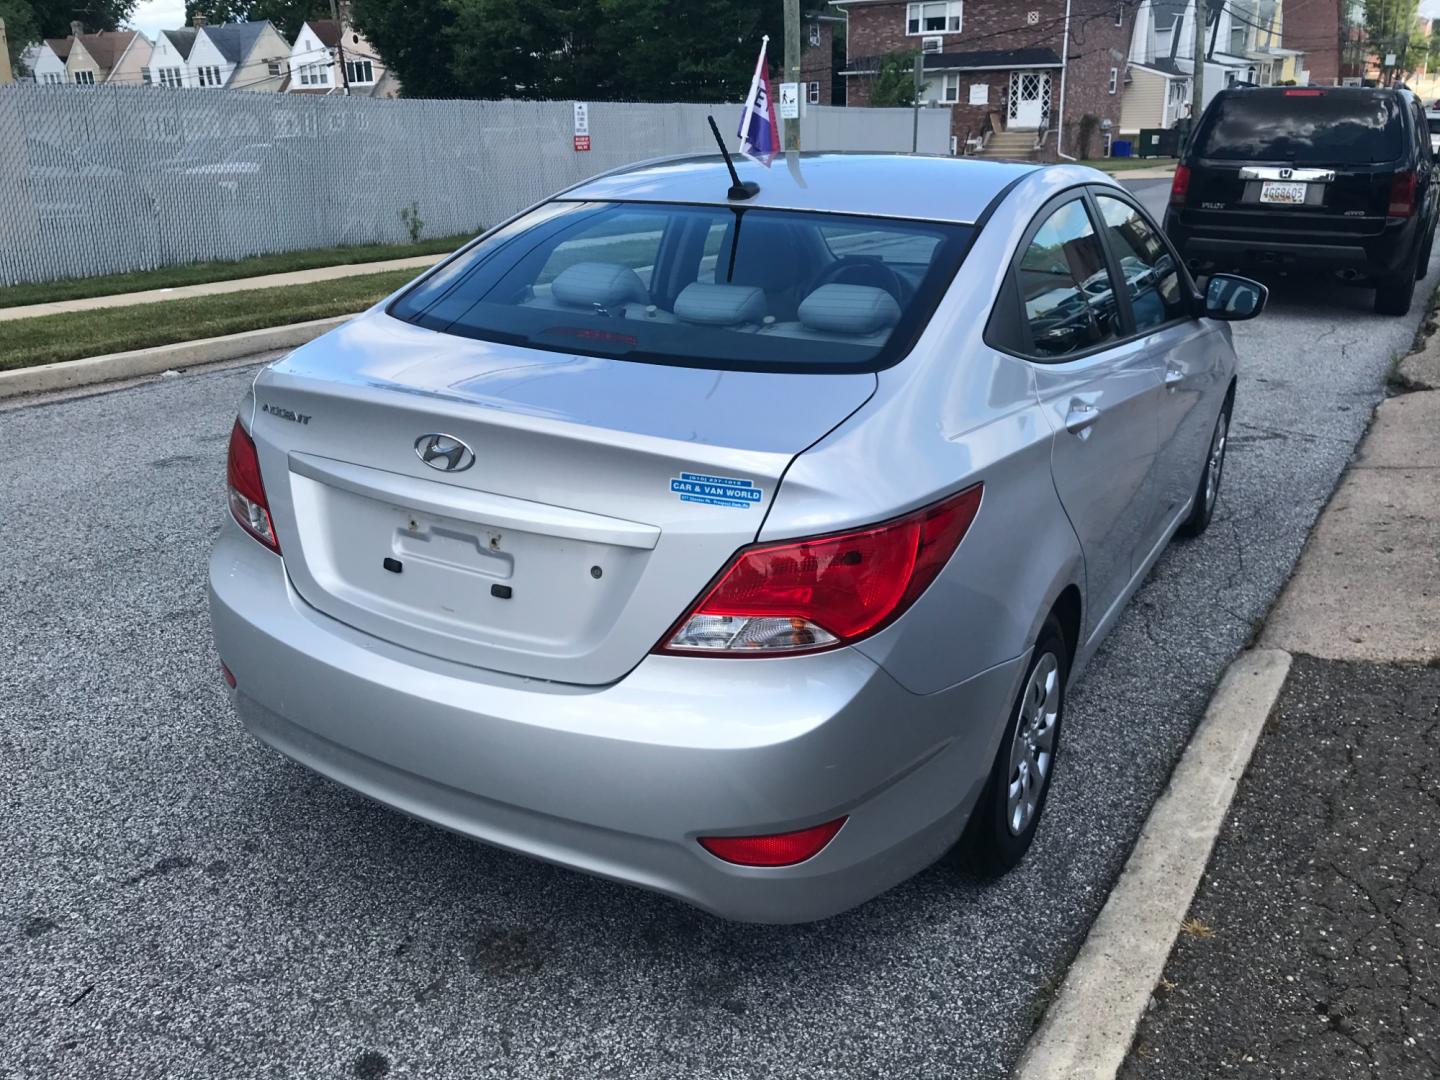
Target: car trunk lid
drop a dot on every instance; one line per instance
(602, 496)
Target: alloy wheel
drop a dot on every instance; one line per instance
(1032, 750)
(1215, 464)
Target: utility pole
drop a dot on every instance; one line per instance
(917, 71)
(335, 13)
(1197, 95)
(792, 69)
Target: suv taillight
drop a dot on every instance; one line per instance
(822, 592)
(1402, 194)
(1180, 186)
(247, 491)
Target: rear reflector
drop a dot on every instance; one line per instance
(1180, 186)
(1402, 195)
(781, 849)
(247, 491)
(227, 675)
(824, 591)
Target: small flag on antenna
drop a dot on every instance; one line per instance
(759, 133)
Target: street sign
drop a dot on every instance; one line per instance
(1389, 59)
(789, 101)
(582, 127)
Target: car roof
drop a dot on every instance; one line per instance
(877, 185)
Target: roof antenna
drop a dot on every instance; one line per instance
(738, 189)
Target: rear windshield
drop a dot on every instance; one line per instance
(1327, 128)
(697, 286)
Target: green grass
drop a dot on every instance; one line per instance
(202, 273)
(73, 335)
(1125, 164)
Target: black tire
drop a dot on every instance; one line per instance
(1396, 292)
(1422, 264)
(1206, 498)
(991, 844)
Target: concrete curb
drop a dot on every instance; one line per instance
(126, 365)
(1089, 1028)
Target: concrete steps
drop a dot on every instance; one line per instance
(1009, 144)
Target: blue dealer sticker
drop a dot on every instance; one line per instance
(716, 490)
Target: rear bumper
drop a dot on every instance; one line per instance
(1385, 252)
(620, 780)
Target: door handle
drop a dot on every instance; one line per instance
(1080, 416)
(1174, 376)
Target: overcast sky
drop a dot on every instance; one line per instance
(152, 16)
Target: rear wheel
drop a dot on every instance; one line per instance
(1422, 265)
(1394, 293)
(1003, 823)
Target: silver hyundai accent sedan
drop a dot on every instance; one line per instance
(736, 548)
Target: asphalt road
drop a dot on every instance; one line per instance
(180, 901)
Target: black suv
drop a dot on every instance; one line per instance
(1326, 178)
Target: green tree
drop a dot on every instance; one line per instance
(22, 28)
(413, 38)
(1388, 26)
(530, 49)
(287, 15)
(54, 18)
(894, 85)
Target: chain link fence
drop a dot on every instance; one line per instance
(116, 179)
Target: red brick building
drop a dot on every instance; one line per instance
(817, 51)
(1007, 65)
(1313, 27)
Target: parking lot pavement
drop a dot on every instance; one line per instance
(180, 901)
(1311, 943)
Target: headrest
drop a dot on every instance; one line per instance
(608, 284)
(720, 305)
(849, 309)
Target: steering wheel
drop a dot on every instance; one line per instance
(871, 272)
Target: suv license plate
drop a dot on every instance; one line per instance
(1282, 191)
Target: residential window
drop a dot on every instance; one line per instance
(814, 94)
(170, 76)
(208, 75)
(1114, 79)
(315, 75)
(273, 68)
(1120, 13)
(933, 18)
(359, 71)
(145, 76)
(52, 78)
(950, 88)
(85, 78)
(814, 35)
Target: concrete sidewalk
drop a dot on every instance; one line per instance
(1310, 948)
(180, 292)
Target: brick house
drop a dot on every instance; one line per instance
(1002, 65)
(817, 51)
(1313, 27)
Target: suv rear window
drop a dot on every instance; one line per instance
(697, 286)
(1318, 128)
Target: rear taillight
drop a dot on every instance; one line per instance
(780, 849)
(247, 492)
(1180, 186)
(1402, 195)
(825, 591)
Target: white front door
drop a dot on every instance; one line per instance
(1029, 99)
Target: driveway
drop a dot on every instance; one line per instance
(180, 901)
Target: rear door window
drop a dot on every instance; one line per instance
(1303, 127)
(1065, 286)
(697, 286)
(1152, 276)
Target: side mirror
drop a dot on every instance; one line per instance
(1234, 298)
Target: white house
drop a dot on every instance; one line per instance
(170, 58)
(330, 57)
(49, 66)
(240, 56)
